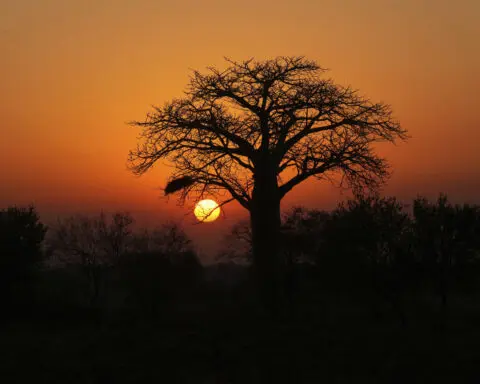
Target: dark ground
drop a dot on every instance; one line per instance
(219, 338)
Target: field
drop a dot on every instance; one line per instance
(220, 338)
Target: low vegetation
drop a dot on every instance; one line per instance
(376, 292)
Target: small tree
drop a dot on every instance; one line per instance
(159, 267)
(365, 248)
(168, 239)
(368, 229)
(256, 130)
(302, 234)
(237, 247)
(21, 237)
(94, 243)
(446, 239)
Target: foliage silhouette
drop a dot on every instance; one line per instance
(446, 239)
(370, 269)
(364, 241)
(300, 233)
(256, 130)
(179, 184)
(237, 244)
(94, 243)
(160, 268)
(157, 281)
(21, 237)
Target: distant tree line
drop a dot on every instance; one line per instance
(371, 247)
(81, 258)
(378, 244)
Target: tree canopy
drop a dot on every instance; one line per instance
(281, 113)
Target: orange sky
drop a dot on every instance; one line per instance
(72, 73)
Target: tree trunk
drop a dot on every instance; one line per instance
(265, 220)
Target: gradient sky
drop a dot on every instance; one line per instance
(73, 72)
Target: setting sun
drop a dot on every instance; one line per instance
(206, 211)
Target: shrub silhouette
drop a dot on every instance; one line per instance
(21, 237)
(446, 239)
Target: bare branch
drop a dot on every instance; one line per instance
(281, 113)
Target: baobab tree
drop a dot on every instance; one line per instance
(254, 131)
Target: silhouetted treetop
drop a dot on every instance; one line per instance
(21, 235)
(229, 120)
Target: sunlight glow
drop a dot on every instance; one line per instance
(206, 211)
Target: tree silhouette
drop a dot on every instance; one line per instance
(302, 233)
(237, 247)
(446, 239)
(21, 237)
(168, 238)
(256, 130)
(94, 243)
(159, 267)
(376, 253)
